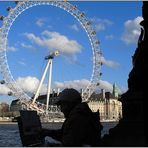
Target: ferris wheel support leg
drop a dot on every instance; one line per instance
(49, 86)
(40, 84)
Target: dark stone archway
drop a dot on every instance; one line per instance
(131, 128)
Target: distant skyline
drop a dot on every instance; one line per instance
(42, 29)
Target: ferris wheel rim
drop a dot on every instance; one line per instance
(80, 17)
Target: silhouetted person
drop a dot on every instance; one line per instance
(82, 127)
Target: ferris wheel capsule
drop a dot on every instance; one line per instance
(2, 82)
(10, 93)
(16, 2)
(8, 8)
(82, 14)
(74, 7)
(1, 18)
(88, 23)
(93, 32)
(97, 42)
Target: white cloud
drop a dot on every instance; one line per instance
(101, 24)
(74, 27)
(109, 63)
(29, 84)
(131, 30)
(22, 63)
(82, 84)
(49, 26)
(55, 41)
(109, 37)
(4, 89)
(40, 22)
(123, 90)
(11, 48)
(108, 86)
(76, 84)
(27, 46)
(8, 47)
(72, 59)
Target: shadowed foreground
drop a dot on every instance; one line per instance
(131, 131)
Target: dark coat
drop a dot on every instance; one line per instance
(80, 129)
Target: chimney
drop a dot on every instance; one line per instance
(81, 92)
(53, 92)
(103, 93)
(107, 95)
(58, 91)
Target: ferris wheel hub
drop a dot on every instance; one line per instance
(52, 55)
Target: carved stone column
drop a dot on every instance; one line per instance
(130, 131)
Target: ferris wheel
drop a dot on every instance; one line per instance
(8, 21)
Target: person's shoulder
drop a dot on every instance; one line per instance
(81, 109)
(81, 106)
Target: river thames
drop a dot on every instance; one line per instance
(9, 132)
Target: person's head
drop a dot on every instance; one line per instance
(68, 99)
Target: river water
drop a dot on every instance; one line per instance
(9, 132)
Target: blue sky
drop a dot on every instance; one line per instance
(41, 29)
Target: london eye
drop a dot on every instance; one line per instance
(25, 99)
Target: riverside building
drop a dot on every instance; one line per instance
(108, 103)
(109, 106)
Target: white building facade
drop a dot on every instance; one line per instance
(107, 103)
